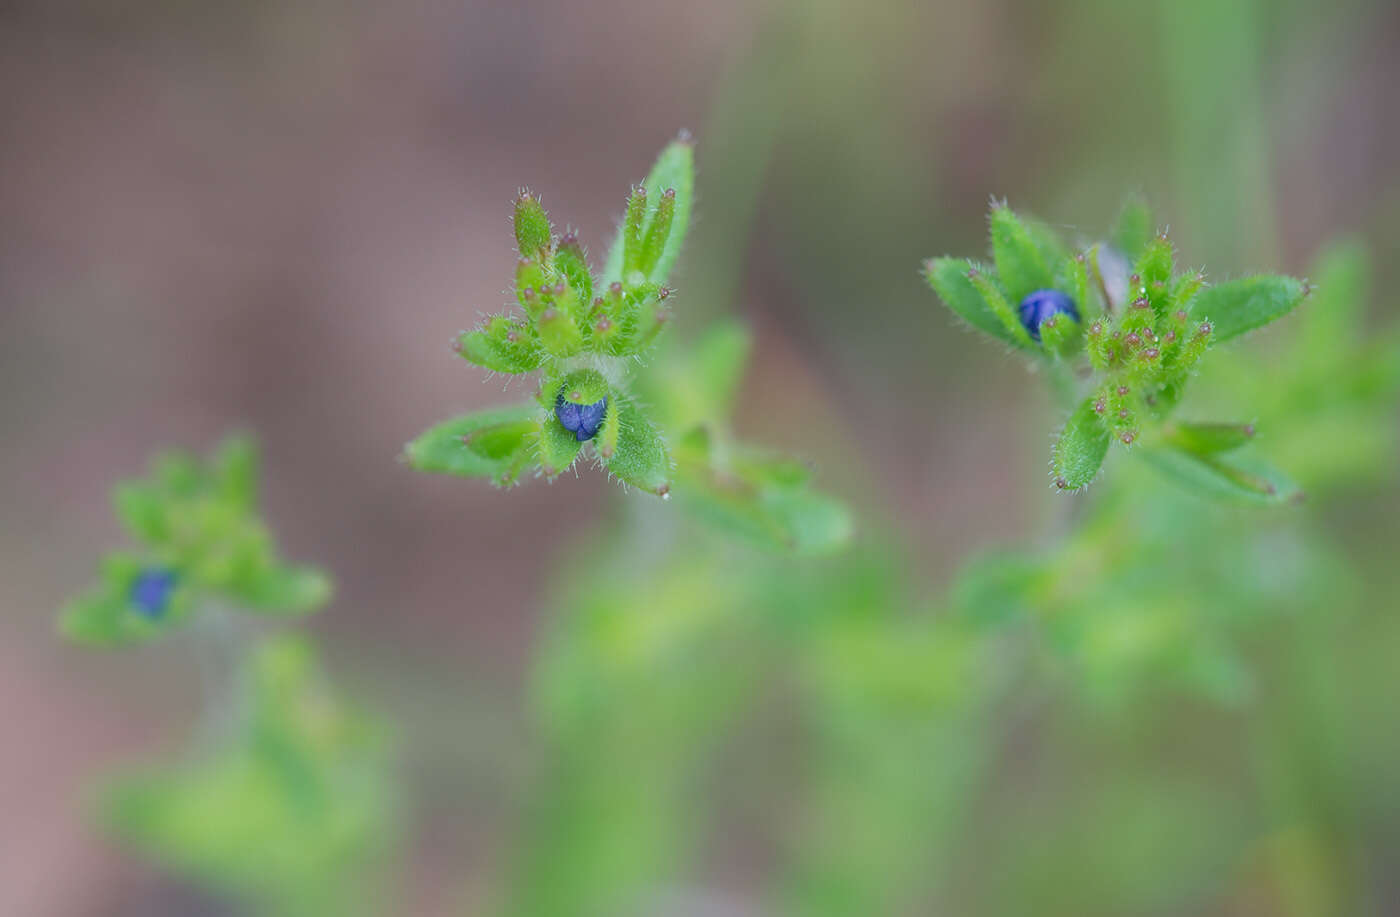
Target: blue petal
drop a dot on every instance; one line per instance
(568, 414)
(150, 591)
(1042, 304)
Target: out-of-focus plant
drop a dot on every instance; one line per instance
(895, 720)
(588, 335)
(1122, 330)
(201, 543)
(291, 811)
(284, 802)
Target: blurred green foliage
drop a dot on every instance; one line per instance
(200, 534)
(1120, 330)
(902, 722)
(291, 810)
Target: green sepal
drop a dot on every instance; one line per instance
(533, 233)
(950, 279)
(557, 447)
(497, 444)
(1080, 449)
(583, 386)
(1232, 478)
(501, 345)
(640, 457)
(1242, 305)
(674, 169)
(1060, 335)
(1208, 438)
(1021, 265)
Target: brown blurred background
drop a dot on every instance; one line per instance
(275, 216)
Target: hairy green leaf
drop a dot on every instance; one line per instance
(1239, 478)
(1021, 266)
(1080, 450)
(495, 444)
(949, 279)
(1242, 305)
(674, 170)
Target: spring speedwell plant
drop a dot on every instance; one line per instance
(1122, 329)
(609, 389)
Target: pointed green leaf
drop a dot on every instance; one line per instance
(1021, 267)
(640, 458)
(674, 169)
(501, 345)
(497, 444)
(1242, 305)
(285, 590)
(1237, 478)
(142, 510)
(951, 279)
(235, 466)
(1209, 438)
(1080, 450)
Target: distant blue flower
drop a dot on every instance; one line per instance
(150, 591)
(582, 420)
(1042, 304)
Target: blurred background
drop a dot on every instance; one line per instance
(277, 216)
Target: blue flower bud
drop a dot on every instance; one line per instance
(1042, 304)
(582, 420)
(150, 591)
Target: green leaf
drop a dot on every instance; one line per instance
(640, 457)
(761, 497)
(285, 590)
(1238, 478)
(557, 447)
(571, 261)
(235, 467)
(1080, 450)
(1021, 267)
(1242, 305)
(501, 345)
(142, 510)
(1209, 438)
(674, 169)
(1133, 229)
(495, 444)
(949, 279)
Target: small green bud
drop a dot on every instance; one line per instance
(658, 231)
(533, 233)
(558, 332)
(571, 261)
(632, 226)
